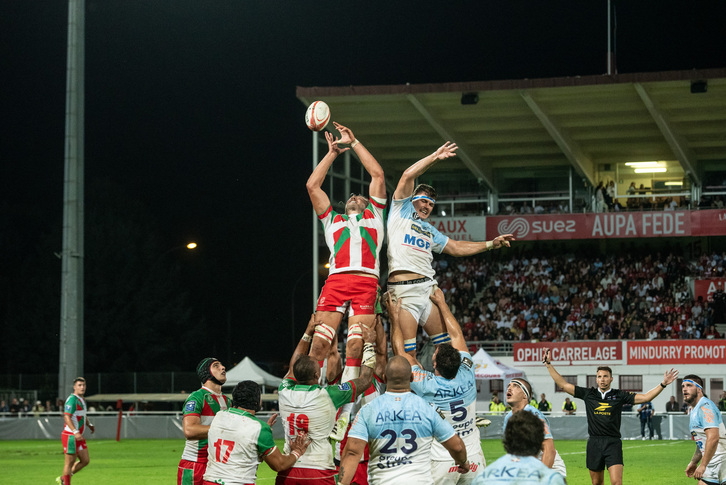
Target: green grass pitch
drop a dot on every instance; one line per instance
(154, 462)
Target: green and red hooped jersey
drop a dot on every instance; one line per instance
(355, 242)
(76, 407)
(203, 403)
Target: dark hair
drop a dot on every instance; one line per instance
(605, 368)
(697, 379)
(78, 379)
(246, 395)
(425, 189)
(304, 368)
(448, 361)
(524, 434)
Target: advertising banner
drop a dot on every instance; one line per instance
(569, 352)
(706, 288)
(462, 228)
(671, 352)
(609, 225)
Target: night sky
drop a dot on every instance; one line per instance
(191, 114)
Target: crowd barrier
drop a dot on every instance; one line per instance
(155, 425)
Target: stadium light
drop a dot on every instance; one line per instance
(642, 164)
(651, 170)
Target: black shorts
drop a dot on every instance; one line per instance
(603, 452)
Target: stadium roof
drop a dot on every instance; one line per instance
(585, 123)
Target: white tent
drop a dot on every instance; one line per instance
(487, 367)
(249, 371)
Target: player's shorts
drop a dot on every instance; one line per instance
(190, 473)
(216, 483)
(343, 293)
(715, 472)
(305, 476)
(603, 452)
(415, 297)
(444, 472)
(71, 444)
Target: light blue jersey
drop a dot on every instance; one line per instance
(456, 399)
(518, 470)
(559, 464)
(411, 240)
(706, 415)
(399, 428)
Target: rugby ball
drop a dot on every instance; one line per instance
(317, 115)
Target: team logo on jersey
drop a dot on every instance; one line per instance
(191, 406)
(467, 362)
(344, 386)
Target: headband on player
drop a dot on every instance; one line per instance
(524, 389)
(694, 383)
(417, 197)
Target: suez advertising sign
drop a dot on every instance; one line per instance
(606, 225)
(633, 352)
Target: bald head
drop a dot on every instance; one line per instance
(398, 373)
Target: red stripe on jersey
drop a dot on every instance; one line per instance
(368, 256)
(342, 257)
(339, 218)
(368, 214)
(325, 214)
(376, 204)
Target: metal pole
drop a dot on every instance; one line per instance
(610, 50)
(70, 359)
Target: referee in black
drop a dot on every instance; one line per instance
(604, 407)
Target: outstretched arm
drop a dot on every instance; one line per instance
(303, 346)
(279, 462)
(405, 184)
(394, 312)
(468, 248)
(314, 184)
(559, 380)
(456, 448)
(668, 378)
(368, 362)
(377, 187)
(452, 325)
(349, 461)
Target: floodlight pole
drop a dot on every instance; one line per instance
(70, 360)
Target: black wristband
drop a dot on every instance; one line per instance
(663, 385)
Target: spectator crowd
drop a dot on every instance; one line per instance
(562, 297)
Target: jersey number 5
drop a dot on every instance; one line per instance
(218, 446)
(299, 422)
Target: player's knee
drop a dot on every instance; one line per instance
(354, 349)
(319, 349)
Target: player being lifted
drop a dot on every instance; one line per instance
(411, 240)
(354, 240)
(307, 407)
(451, 388)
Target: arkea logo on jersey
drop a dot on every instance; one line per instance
(191, 405)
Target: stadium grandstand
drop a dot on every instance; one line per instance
(613, 186)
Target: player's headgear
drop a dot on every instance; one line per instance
(426, 190)
(204, 370)
(246, 395)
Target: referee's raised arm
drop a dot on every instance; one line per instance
(668, 378)
(559, 380)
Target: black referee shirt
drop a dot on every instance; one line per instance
(603, 415)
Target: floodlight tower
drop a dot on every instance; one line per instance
(70, 359)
